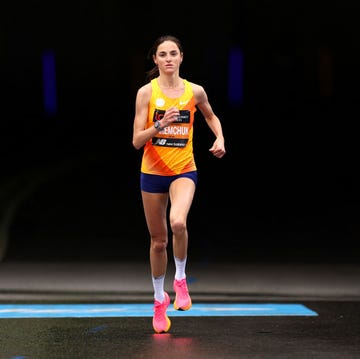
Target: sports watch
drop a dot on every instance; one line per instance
(158, 126)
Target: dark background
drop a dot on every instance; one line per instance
(288, 188)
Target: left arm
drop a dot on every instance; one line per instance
(202, 102)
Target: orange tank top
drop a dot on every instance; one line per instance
(170, 152)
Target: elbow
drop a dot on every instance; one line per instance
(136, 145)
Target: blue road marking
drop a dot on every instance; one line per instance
(146, 310)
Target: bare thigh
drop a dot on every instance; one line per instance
(155, 209)
(182, 192)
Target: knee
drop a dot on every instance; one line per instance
(158, 246)
(178, 226)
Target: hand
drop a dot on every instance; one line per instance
(171, 115)
(218, 148)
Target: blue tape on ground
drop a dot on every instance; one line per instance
(146, 310)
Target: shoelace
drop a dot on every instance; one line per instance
(157, 310)
(183, 285)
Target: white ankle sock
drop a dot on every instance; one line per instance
(180, 265)
(158, 284)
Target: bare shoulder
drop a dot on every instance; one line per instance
(199, 92)
(143, 96)
(144, 91)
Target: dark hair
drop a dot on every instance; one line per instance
(154, 72)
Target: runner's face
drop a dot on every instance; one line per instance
(168, 57)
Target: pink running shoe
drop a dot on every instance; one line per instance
(182, 299)
(161, 322)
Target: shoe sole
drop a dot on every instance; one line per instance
(182, 308)
(167, 328)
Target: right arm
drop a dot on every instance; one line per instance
(140, 134)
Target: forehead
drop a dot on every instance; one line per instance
(167, 46)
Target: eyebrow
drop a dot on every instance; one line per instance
(171, 52)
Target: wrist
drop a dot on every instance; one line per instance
(157, 125)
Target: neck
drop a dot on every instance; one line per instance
(169, 82)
